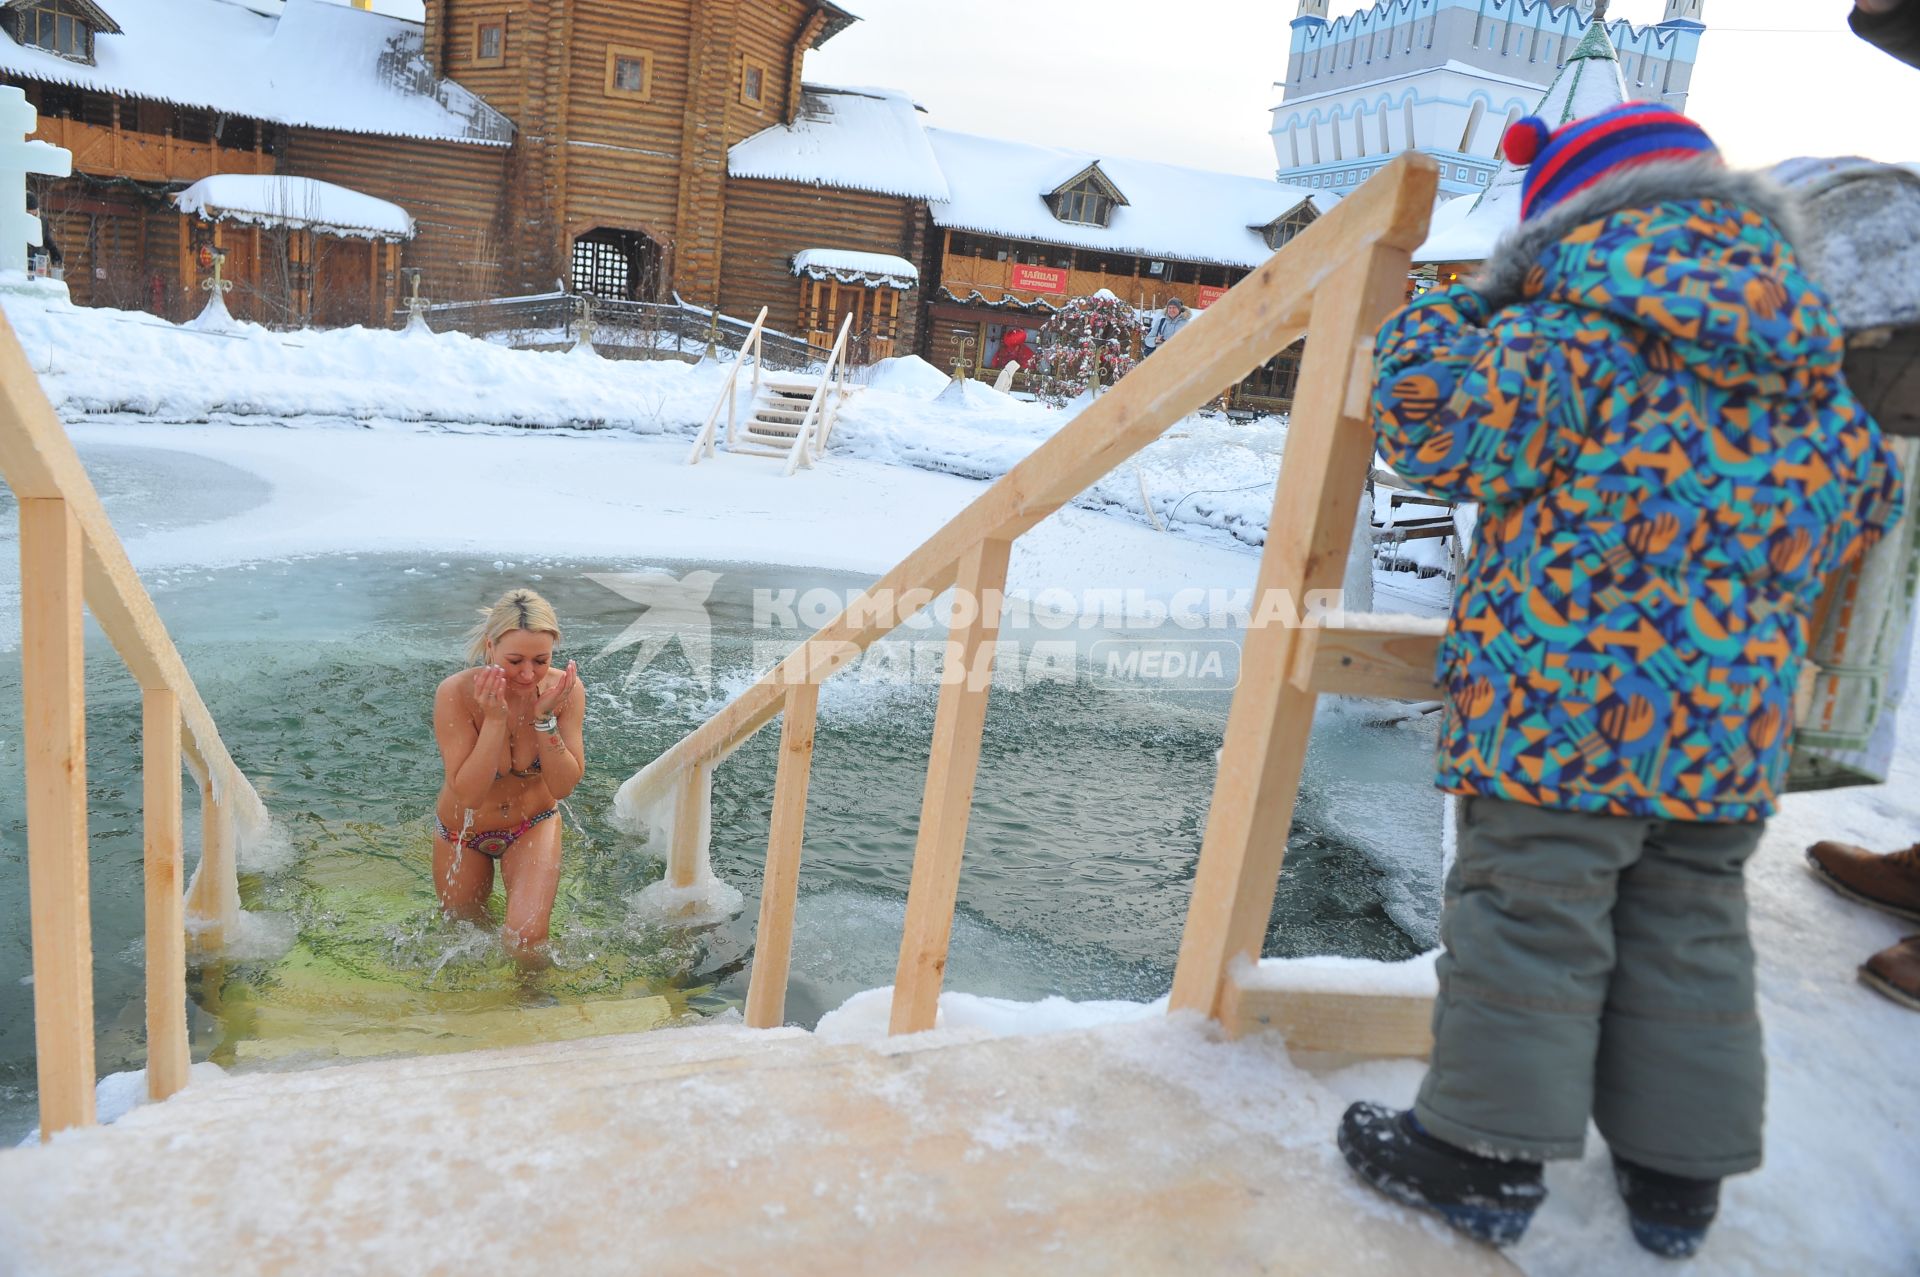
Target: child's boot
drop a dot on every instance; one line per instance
(1670, 1214)
(1484, 1197)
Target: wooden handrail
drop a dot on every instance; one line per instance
(703, 442)
(805, 447)
(1331, 283)
(65, 533)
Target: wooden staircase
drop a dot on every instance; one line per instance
(780, 411)
(791, 417)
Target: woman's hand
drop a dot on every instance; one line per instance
(490, 690)
(554, 697)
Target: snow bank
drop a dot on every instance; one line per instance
(863, 1017)
(907, 375)
(1207, 474)
(220, 367)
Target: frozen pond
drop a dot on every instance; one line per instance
(1087, 820)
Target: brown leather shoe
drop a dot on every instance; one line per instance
(1890, 882)
(1895, 972)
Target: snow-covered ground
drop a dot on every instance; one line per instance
(99, 364)
(357, 441)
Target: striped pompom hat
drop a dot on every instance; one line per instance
(1562, 164)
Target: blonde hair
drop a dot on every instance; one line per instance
(519, 609)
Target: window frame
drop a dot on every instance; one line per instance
(480, 29)
(616, 54)
(1085, 203)
(1281, 232)
(748, 67)
(51, 16)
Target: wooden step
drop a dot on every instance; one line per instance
(1143, 1148)
(791, 385)
(642, 1064)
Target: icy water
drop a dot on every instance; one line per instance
(1088, 816)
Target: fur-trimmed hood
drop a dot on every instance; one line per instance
(1696, 252)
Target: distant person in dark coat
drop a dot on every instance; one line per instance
(49, 247)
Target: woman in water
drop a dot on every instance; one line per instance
(510, 736)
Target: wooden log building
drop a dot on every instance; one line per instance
(624, 150)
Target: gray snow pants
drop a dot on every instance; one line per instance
(1597, 965)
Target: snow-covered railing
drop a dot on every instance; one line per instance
(72, 562)
(1331, 284)
(749, 350)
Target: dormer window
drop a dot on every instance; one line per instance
(62, 27)
(1086, 199)
(1283, 228)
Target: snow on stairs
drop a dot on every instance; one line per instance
(779, 409)
(1148, 1147)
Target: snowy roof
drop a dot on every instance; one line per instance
(301, 202)
(848, 267)
(1590, 82)
(853, 139)
(310, 63)
(999, 188)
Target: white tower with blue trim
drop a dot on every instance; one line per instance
(1446, 77)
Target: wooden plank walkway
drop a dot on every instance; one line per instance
(1142, 1148)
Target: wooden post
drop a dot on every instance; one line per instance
(1329, 454)
(390, 285)
(213, 898)
(189, 275)
(53, 692)
(691, 805)
(167, 1058)
(773, 937)
(948, 800)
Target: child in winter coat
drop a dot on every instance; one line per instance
(1644, 392)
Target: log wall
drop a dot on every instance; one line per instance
(453, 190)
(768, 222)
(589, 157)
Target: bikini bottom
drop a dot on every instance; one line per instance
(494, 843)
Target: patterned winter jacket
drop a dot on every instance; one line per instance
(1644, 391)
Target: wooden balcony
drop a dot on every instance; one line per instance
(993, 280)
(146, 157)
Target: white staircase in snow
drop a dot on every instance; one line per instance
(788, 415)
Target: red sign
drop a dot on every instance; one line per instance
(1208, 296)
(1038, 279)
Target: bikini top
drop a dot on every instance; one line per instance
(528, 774)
